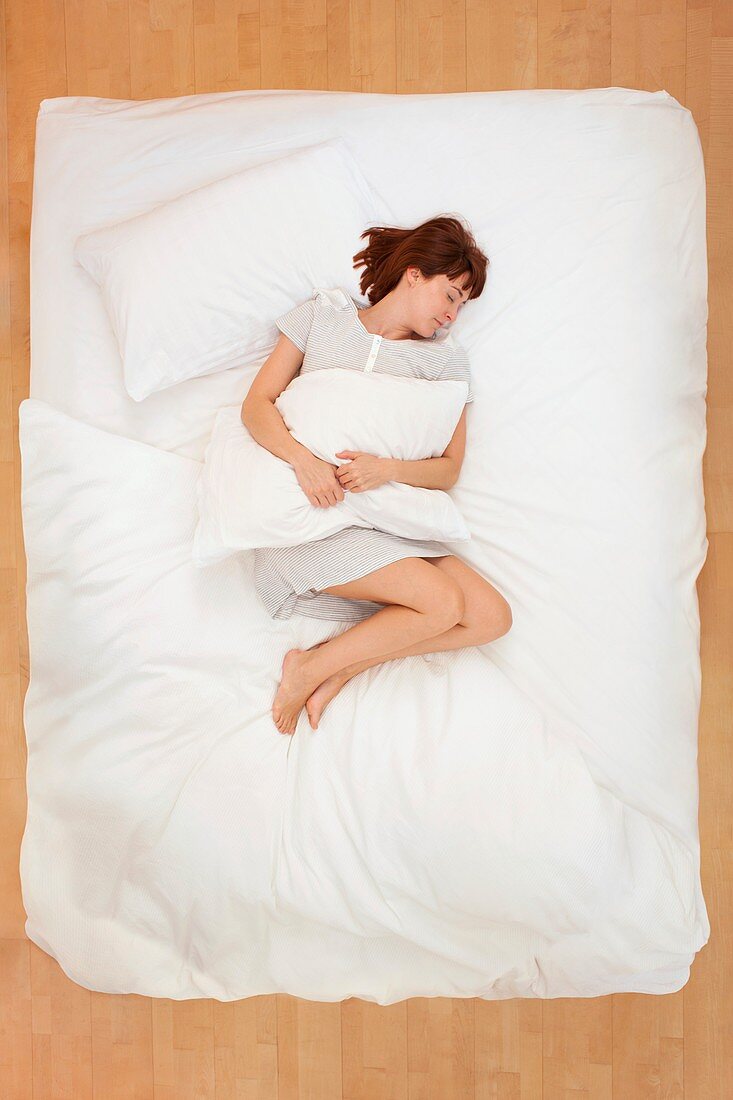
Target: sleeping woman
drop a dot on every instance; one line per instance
(404, 596)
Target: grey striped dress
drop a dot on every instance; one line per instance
(289, 579)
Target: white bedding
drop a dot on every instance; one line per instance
(515, 820)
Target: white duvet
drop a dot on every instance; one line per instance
(515, 820)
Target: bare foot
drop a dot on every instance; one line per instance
(295, 687)
(323, 694)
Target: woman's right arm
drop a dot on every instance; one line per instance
(316, 478)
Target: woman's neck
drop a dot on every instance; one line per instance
(384, 319)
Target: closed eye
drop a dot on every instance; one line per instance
(456, 288)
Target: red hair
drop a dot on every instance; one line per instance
(440, 246)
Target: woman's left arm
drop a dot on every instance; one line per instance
(365, 471)
(433, 473)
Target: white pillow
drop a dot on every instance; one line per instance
(194, 285)
(343, 409)
(248, 497)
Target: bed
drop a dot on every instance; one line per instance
(512, 820)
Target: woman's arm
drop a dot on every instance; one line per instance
(433, 473)
(259, 415)
(427, 473)
(264, 423)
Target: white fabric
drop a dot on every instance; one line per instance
(514, 820)
(249, 497)
(190, 286)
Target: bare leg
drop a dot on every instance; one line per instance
(457, 637)
(426, 603)
(304, 670)
(485, 616)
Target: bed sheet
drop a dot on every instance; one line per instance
(514, 820)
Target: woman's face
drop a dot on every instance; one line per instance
(437, 301)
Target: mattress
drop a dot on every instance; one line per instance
(512, 820)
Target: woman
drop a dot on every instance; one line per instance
(405, 596)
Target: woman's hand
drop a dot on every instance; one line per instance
(364, 472)
(318, 481)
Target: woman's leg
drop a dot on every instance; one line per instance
(421, 601)
(487, 617)
(435, 593)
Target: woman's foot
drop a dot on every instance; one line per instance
(295, 687)
(323, 694)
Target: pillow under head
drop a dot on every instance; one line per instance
(191, 287)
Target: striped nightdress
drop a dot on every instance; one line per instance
(289, 579)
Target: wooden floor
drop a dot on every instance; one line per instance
(59, 1040)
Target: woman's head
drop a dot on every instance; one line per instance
(438, 262)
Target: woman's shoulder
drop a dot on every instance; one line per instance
(458, 353)
(323, 299)
(458, 367)
(322, 303)
(331, 297)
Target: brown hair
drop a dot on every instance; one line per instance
(440, 246)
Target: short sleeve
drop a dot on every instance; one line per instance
(459, 368)
(297, 323)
